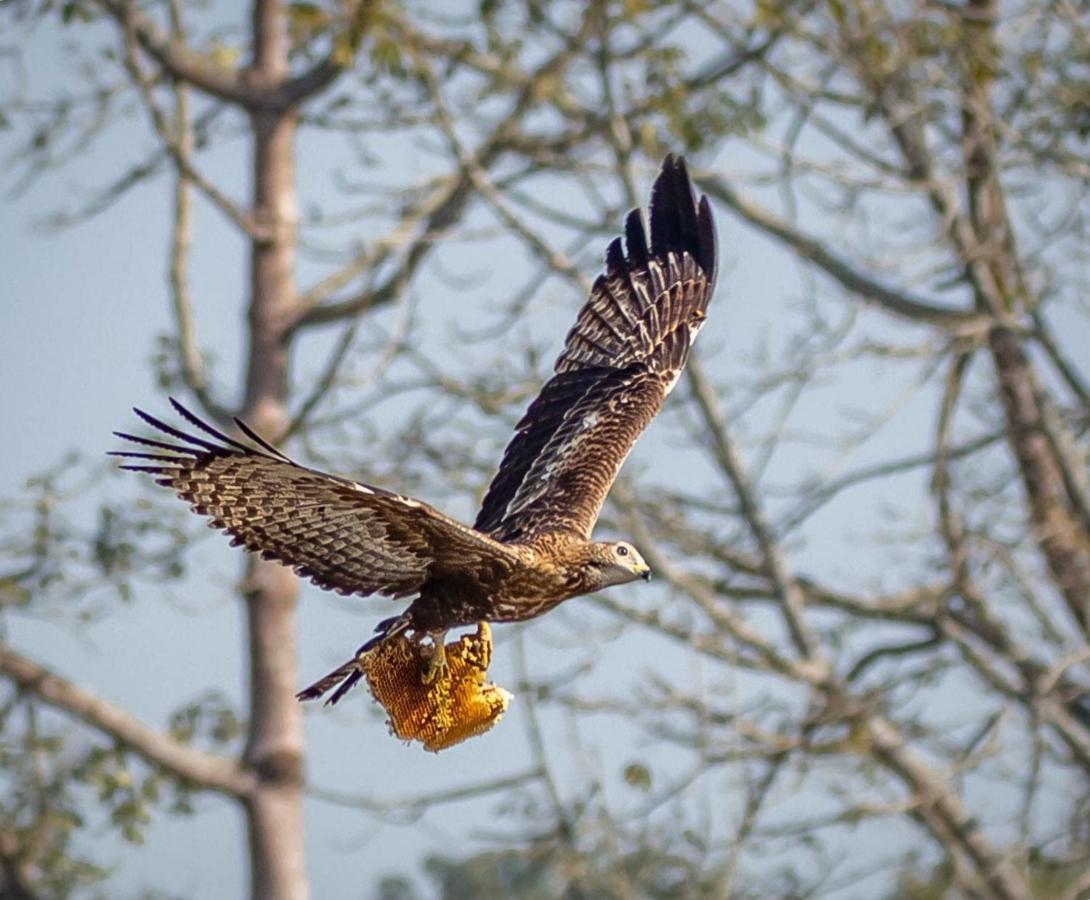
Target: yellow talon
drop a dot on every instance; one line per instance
(437, 668)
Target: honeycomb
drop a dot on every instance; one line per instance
(452, 708)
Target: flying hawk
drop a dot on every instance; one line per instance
(531, 546)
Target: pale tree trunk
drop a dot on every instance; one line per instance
(999, 288)
(1058, 532)
(274, 749)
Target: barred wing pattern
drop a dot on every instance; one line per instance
(345, 536)
(621, 359)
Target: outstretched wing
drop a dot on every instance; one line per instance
(348, 537)
(624, 355)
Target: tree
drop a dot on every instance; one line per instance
(922, 681)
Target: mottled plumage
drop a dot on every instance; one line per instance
(530, 547)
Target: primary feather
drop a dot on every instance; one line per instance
(620, 360)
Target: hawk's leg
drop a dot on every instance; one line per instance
(437, 663)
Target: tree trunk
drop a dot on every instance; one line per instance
(1058, 533)
(274, 749)
(999, 286)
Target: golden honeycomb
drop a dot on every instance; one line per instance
(454, 707)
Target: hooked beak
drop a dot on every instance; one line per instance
(646, 574)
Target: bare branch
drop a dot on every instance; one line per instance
(787, 589)
(404, 810)
(325, 72)
(1070, 374)
(448, 203)
(942, 811)
(177, 142)
(902, 304)
(209, 772)
(191, 364)
(441, 210)
(822, 494)
(478, 177)
(180, 60)
(1061, 536)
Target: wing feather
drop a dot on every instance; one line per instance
(620, 360)
(345, 536)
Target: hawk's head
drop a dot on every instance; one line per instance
(615, 562)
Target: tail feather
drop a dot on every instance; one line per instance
(349, 674)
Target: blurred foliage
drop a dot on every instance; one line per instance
(58, 558)
(1047, 881)
(209, 721)
(42, 810)
(548, 872)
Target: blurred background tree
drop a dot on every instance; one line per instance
(863, 670)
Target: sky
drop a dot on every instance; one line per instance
(80, 309)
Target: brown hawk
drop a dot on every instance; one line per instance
(531, 546)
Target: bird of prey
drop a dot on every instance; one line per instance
(530, 547)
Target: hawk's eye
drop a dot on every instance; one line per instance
(622, 551)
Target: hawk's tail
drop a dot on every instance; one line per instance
(349, 674)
